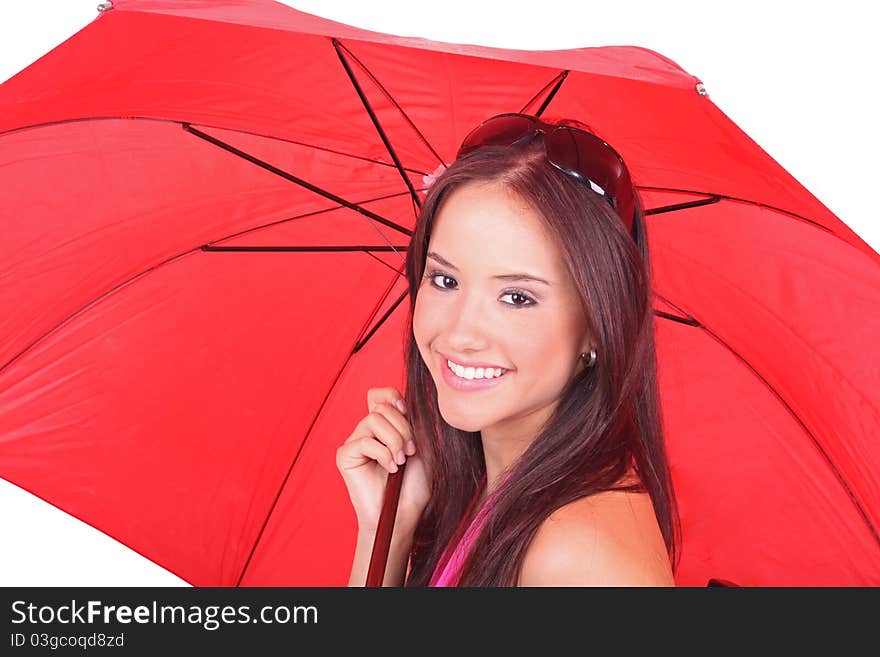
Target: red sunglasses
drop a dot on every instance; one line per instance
(575, 152)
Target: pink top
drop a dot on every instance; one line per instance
(448, 568)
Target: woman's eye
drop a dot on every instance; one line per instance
(526, 300)
(442, 277)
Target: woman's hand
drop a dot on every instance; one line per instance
(379, 443)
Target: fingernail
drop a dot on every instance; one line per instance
(393, 467)
(401, 405)
(410, 447)
(401, 457)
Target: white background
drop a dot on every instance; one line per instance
(799, 77)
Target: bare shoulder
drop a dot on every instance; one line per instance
(608, 539)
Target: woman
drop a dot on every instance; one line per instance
(530, 428)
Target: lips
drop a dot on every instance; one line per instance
(469, 385)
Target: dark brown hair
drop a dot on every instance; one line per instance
(608, 417)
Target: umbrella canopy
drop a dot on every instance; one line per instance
(205, 210)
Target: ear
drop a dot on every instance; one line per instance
(588, 340)
(586, 344)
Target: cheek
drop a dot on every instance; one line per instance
(547, 344)
(424, 324)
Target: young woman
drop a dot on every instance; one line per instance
(530, 428)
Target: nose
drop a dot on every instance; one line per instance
(469, 321)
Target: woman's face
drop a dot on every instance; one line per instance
(471, 308)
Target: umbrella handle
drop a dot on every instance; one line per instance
(385, 528)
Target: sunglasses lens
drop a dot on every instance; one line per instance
(578, 153)
(585, 155)
(594, 161)
(498, 131)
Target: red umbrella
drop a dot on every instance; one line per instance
(206, 210)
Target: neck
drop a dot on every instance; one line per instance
(504, 443)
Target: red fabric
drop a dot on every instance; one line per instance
(189, 402)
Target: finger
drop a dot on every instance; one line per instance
(366, 448)
(388, 395)
(396, 418)
(376, 427)
(401, 424)
(380, 453)
(386, 432)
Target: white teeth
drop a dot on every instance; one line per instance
(475, 373)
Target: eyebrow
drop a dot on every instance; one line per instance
(502, 277)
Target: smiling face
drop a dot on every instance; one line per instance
(466, 312)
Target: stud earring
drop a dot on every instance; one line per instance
(592, 360)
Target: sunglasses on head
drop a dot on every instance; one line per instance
(575, 152)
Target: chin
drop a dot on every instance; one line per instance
(462, 421)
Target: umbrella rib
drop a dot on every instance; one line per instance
(390, 98)
(683, 206)
(308, 432)
(369, 252)
(728, 198)
(699, 324)
(299, 181)
(387, 314)
(205, 125)
(303, 216)
(689, 322)
(559, 79)
(375, 119)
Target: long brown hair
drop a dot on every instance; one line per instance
(608, 417)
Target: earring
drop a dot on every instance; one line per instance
(592, 358)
